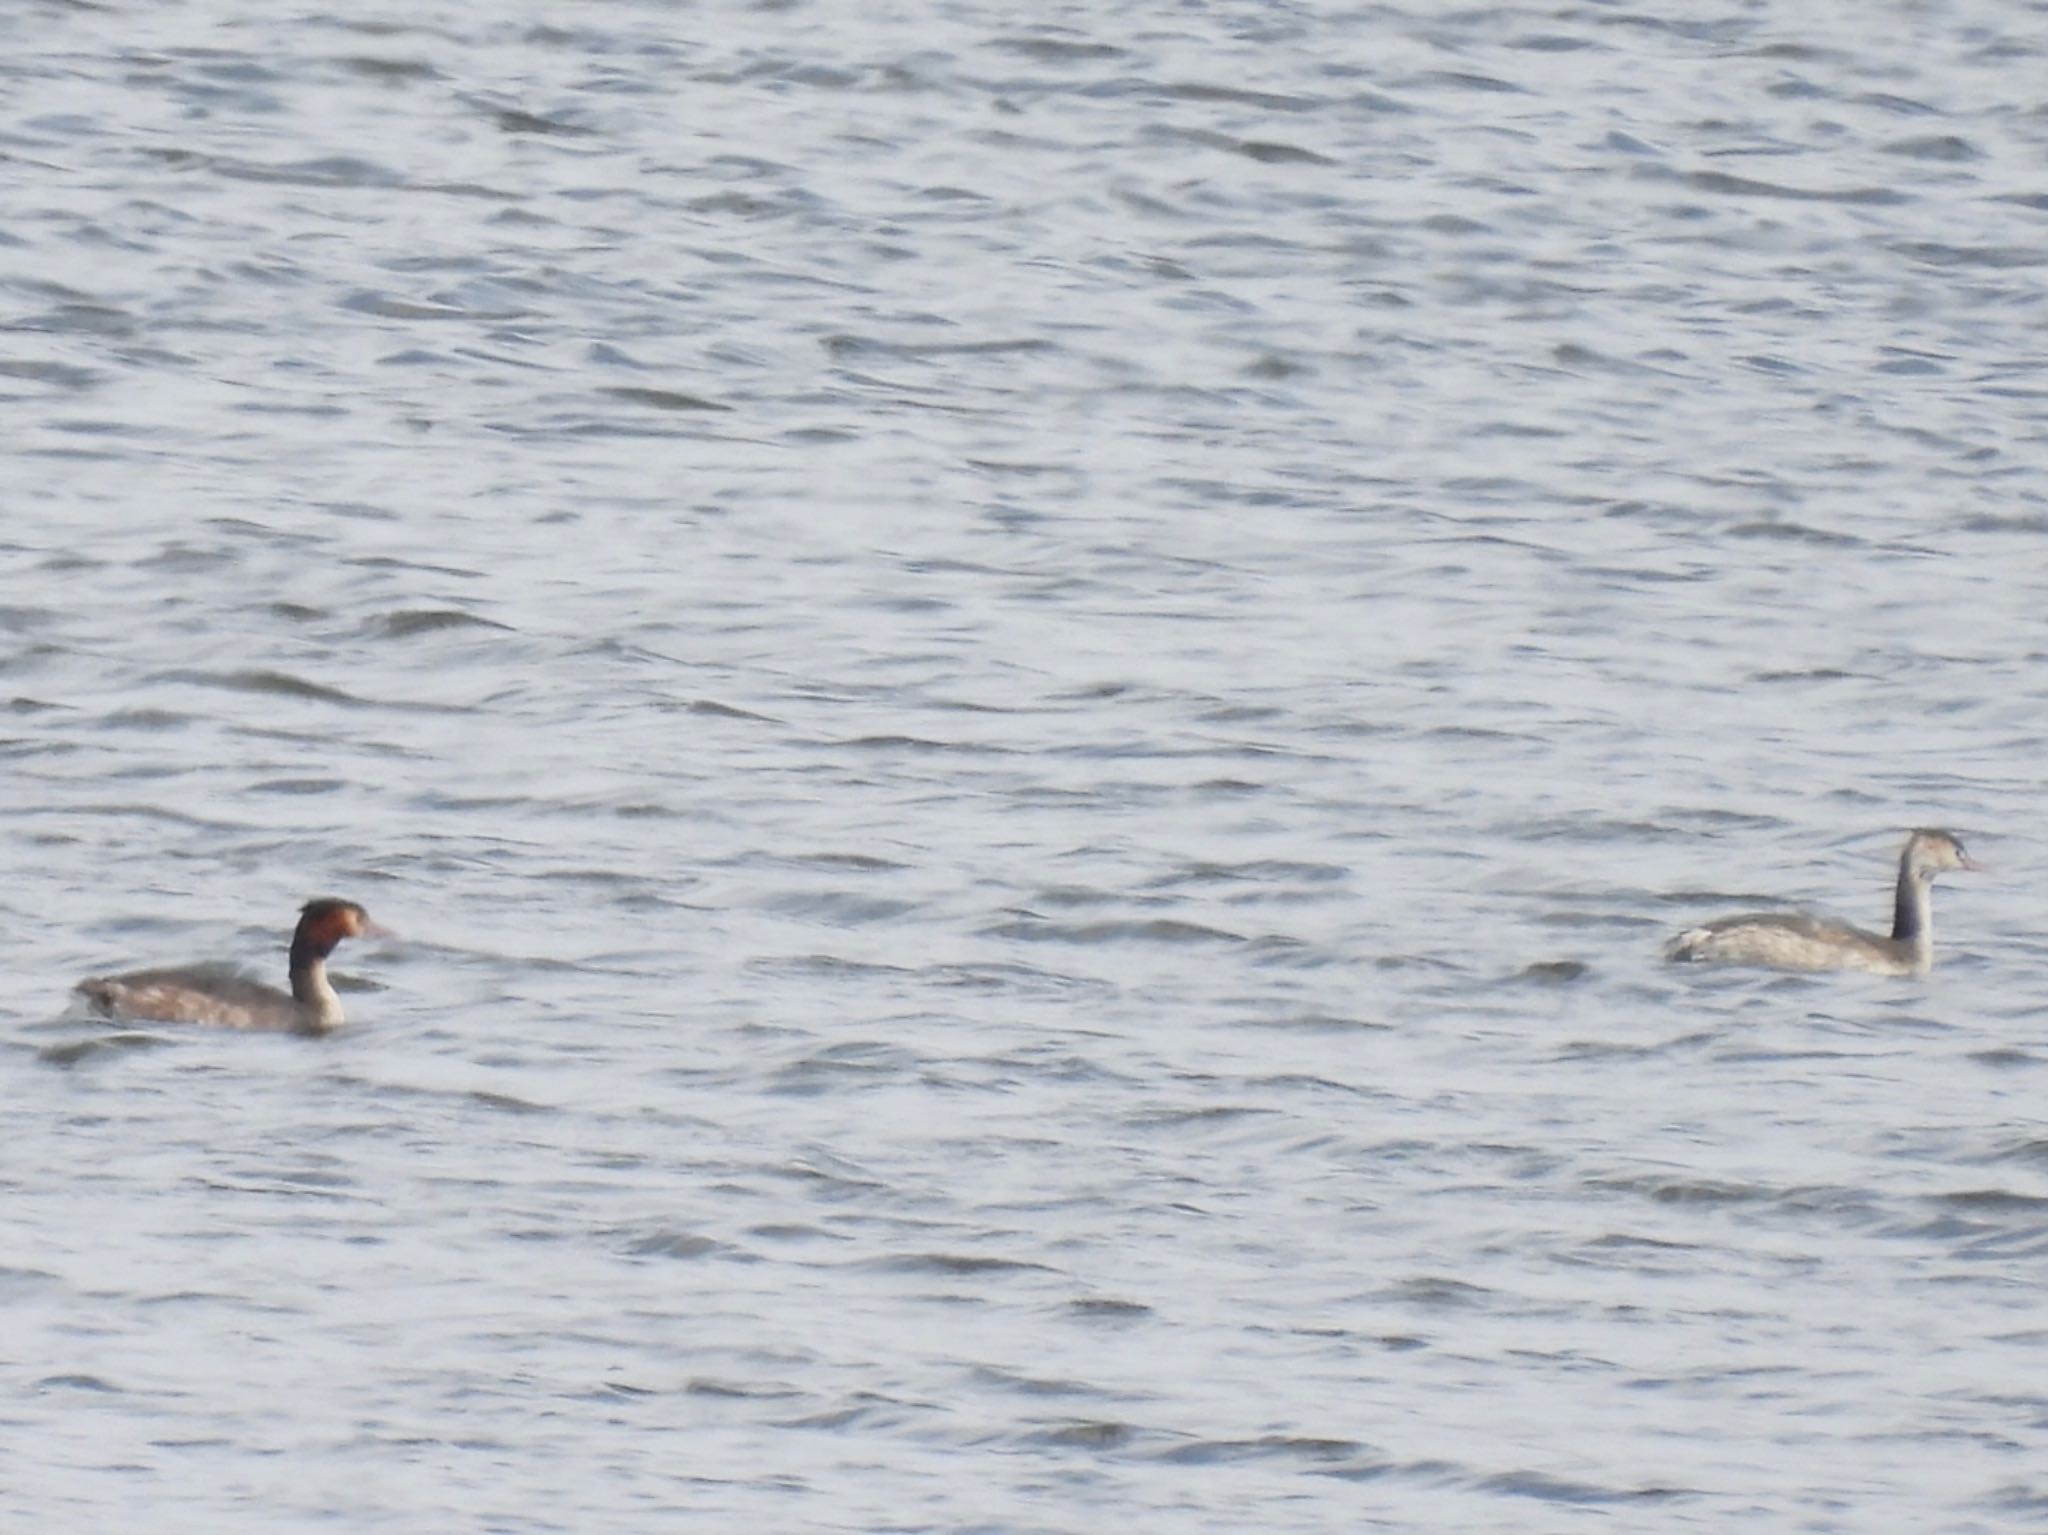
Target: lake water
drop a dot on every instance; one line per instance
(1032, 686)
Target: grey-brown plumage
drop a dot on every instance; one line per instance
(1797, 941)
(226, 998)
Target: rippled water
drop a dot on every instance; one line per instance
(1032, 687)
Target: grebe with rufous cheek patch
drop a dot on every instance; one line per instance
(225, 999)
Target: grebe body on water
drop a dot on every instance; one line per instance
(1796, 941)
(220, 996)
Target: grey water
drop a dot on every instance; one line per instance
(1031, 686)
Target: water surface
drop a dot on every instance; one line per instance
(1032, 691)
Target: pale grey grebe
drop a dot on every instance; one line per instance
(221, 996)
(1795, 941)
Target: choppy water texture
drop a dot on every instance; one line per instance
(1032, 685)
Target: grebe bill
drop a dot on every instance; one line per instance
(1797, 941)
(218, 995)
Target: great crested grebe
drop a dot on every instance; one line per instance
(223, 997)
(1796, 941)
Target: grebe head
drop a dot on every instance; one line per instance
(1928, 852)
(325, 922)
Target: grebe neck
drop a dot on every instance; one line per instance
(1913, 910)
(310, 987)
